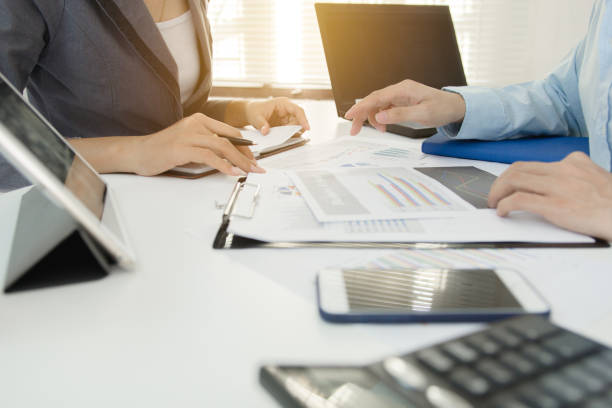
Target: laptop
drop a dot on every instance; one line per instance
(371, 46)
(68, 195)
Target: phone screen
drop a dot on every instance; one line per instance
(422, 290)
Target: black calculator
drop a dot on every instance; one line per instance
(524, 362)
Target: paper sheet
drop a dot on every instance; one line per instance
(346, 152)
(277, 136)
(377, 193)
(283, 215)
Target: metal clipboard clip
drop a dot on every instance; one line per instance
(223, 239)
(239, 188)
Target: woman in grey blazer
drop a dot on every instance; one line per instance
(102, 74)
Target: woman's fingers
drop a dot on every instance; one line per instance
(247, 152)
(260, 123)
(298, 115)
(206, 136)
(210, 158)
(274, 112)
(226, 149)
(215, 126)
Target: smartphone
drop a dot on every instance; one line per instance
(425, 295)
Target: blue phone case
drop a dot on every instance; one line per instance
(415, 317)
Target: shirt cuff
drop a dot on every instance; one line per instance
(485, 116)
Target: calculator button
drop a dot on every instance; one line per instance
(444, 398)
(504, 336)
(405, 373)
(508, 403)
(537, 398)
(483, 344)
(436, 360)
(607, 355)
(495, 371)
(603, 401)
(532, 327)
(517, 363)
(569, 345)
(460, 351)
(537, 354)
(584, 378)
(598, 403)
(470, 381)
(561, 388)
(597, 365)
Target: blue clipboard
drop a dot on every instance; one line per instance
(540, 148)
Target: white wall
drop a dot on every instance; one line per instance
(558, 26)
(509, 41)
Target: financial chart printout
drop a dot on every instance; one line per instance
(376, 193)
(469, 182)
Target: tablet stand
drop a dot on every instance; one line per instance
(71, 261)
(38, 229)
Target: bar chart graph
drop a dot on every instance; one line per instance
(374, 193)
(468, 182)
(407, 192)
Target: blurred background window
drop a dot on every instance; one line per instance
(276, 43)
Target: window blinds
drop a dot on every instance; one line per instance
(277, 42)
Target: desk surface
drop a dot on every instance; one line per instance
(190, 326)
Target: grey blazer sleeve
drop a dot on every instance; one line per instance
(24, 33)
(215, 109)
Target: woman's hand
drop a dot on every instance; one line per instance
(194, 139)
(274, 112)
(407, 101)
(574, 193)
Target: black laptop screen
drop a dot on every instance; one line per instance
(371, 46)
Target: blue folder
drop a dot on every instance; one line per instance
(541, 148)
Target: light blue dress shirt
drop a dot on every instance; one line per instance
(574, 100)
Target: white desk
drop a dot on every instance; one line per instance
(191, 325)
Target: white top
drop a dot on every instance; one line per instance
(181, 39)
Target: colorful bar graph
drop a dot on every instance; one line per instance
(400, 190)
(387, 194)
(436, 195)
(415, 190)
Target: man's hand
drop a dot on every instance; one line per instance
(407, 101)
(574, 193)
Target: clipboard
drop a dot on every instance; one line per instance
(200, 171)
(227, 240)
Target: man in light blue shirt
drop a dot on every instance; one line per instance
(574, 100)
